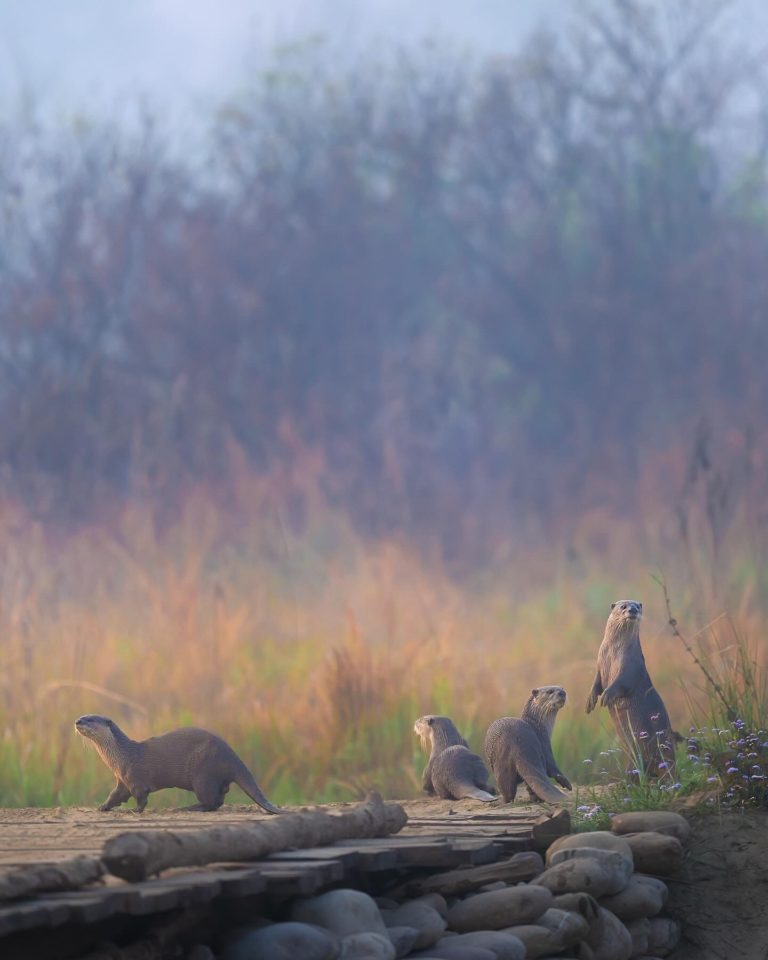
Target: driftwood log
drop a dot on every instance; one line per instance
(48, 877)
(452, 883)
(139, 854)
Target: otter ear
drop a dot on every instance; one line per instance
(640, 607)
(430, 721)
(613, 605)
(535, 692)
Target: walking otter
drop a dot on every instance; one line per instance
(623, 686)
(521, 748)
(189, 758)
(453, 771)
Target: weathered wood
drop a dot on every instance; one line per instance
(161, 943)
(138, 854)
(67, 875)
(517, 869)
(549, 827)
(301, 877)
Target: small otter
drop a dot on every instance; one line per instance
(453, 771)
(521, 748)
(623, 685)
(189, 758)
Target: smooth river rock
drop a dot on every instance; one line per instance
(609, 938)
(616, 862)
(500, 908)
(583, 875)
(366, 946)
(655, 853)
(504, 946)
(652, 821)
(642, 897)
(663, 936)
(598, 839)
(422, 916)
(283, 941)
(343, 912)
(403, 939)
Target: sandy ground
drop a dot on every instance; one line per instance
(722, 892)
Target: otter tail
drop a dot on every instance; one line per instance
(475, 793)
(540, 785)
(247, 784)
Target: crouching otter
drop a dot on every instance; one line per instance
(520, 748)
(622, 684)
(453, 771)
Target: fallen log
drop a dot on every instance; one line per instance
(452, 883)
(49, 877)
(137, 855)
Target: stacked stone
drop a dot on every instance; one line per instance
(599, 896)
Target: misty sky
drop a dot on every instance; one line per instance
(90, 55)
(77, 53)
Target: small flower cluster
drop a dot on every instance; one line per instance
(590, 811)
(735, 758)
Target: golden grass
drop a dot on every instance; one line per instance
(314, 653)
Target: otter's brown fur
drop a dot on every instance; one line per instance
(453, 771)
(520, 748)
(189, 758)
(623, 685)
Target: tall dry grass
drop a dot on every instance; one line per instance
(313, 652)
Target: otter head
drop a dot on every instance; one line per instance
(548, 699)
(437, 732)
(544, 704)
(425, 728)
(625, 613)
(101, 730)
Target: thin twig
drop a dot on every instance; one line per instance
(54, 685)
(730, 712)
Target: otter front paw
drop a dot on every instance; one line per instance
(591, 702)
(104, 807)
(609, 697)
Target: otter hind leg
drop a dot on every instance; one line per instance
(210, 793)
(508, 780)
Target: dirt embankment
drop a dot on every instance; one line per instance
(721, 895)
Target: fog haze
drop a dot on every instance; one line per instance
(178, 51)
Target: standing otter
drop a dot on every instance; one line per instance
(453, 771)
(521, 748)
(190, 759)
(623, 685)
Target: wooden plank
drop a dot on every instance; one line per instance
(300, 877)
(372, 859)
(346, 855)
(198, 887)
(239, 881)
(41, 912)
(92, 905)
(521, 867)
